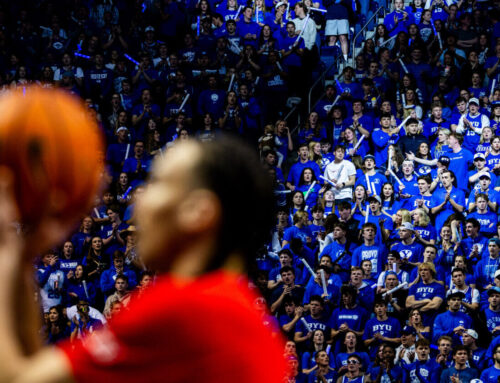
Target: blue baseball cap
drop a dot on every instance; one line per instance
(444, 160)
(408, 330)
(494, 290)
(496, 241)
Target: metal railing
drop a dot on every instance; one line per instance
(297, 122)
(296, 110)
(319, 80)
(363, 29)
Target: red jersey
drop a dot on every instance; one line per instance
(204, 331)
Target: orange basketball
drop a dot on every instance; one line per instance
(54, 150)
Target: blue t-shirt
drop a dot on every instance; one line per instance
(212, 101)
(488, 222)
(365, 121)
(354, 89)
(411, 186)
(480, 242)
(431, 127)
(298, 167)
(354, 318)
(490, 375)
(428, 232)
(312, 197)
(381, 141)
(286, 44)
(438, 198)
(376, 181)
(421, 291)
(308, 360)
(313, 324)
(335, 250)
(332, 288)
(389, 328)
(397, 374)
(376, 254)
(438, 13)
(243, 28)
(485, 270)
(459, 165)
(492, 160)
(476, 188)
(411, 203)
(414, 252)
(471, 138)
(294, 232)
(401, 26)
(66, 265)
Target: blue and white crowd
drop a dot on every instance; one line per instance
(384, 262)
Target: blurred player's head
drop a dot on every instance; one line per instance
(207, 202)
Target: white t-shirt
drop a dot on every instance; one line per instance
(341, 172)
(309, 34)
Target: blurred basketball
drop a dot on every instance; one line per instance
(54, 150)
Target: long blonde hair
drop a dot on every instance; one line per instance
(313, 156)
(424, 218)
(447, 132)
(405, 216)
(481, 140)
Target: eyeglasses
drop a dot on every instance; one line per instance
(352, 361)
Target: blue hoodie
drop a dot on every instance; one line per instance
(422, 372)
(447, 321)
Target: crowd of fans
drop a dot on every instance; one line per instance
(384, 264)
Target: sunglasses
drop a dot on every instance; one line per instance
(352, 361)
